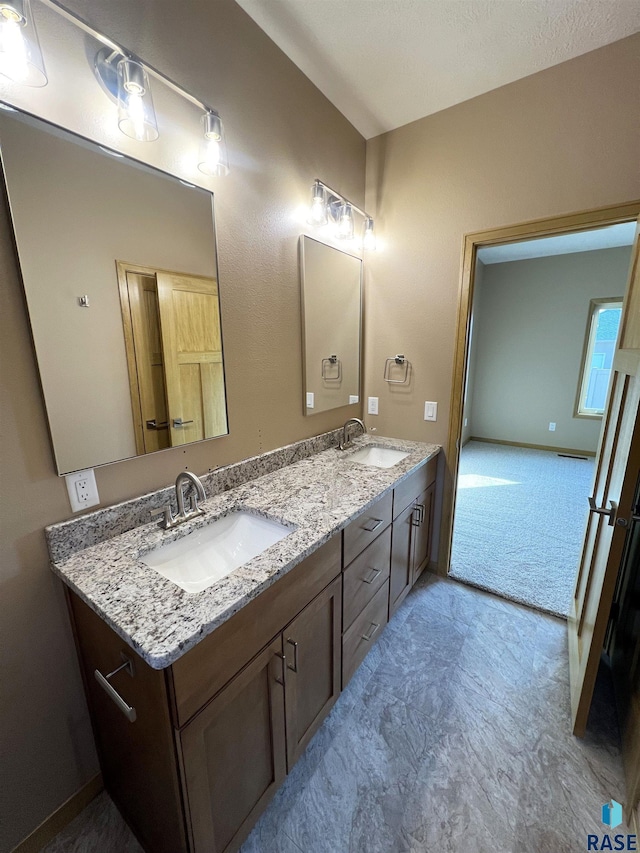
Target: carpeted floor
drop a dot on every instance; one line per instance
(519, 524)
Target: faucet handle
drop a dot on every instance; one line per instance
(165, 511)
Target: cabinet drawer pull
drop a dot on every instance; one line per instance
(283, 660)
(372, 524)
(104, 682)
(293, 668)
(372, 632)
(373, 576)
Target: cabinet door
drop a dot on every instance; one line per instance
(423, 525)
(401, 558)
(234, 754)
(312, 673)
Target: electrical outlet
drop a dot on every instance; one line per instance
(552, 427)
(82, 489)
(372, 406)
(431, 411)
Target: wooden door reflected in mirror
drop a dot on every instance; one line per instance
(171, 323)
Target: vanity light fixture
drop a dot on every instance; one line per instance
(345, 222)
(369, 238)
(136, 115)
(318, 209)
(329, 205)
(126, 82)
(124, 78)
(20, 54)
(213, 158)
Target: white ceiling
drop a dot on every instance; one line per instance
(564, 244)
(384, 63)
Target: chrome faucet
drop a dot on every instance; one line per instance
(169, 520)
(346, 441)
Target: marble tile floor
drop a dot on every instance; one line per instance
(454, 735)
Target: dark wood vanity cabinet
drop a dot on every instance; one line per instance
(413, 504)
(234, 754)
(215, 733)
(237, 750)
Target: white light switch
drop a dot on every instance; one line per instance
(552, 427)
(431, 411)
(82, 489)
(372, 406)
(353, 398)
(310, 400)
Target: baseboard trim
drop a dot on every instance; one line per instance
(570, 450)
(61, 817)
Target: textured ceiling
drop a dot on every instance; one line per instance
(564, 244)
(384, 63)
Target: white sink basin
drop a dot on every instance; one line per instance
(210, 553)
(378, 457)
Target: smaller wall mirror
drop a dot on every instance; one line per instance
(331, 286)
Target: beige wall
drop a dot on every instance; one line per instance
(282, 134)
(563, 140)
(530, 334)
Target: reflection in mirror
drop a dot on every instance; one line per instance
(119, 267)
(331, 283)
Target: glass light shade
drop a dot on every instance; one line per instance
(369, 239)
(345, 222)
(136, 115)
(20, 54)
(213, 159)
(318, 209)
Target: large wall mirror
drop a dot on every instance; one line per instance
(331, 285)
(120, 273)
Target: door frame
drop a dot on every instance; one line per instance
(585, 220)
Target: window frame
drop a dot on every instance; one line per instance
(594, 306)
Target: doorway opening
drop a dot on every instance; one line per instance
(539, 310)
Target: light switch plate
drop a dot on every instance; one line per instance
(82, 489)
(372, 406)
(353, 398)
(430, 411)
(310, 400)
(552, 427)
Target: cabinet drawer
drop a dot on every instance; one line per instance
(205, 669)
(414, 485)
(364, 577)
(367, 527)
(364, 632)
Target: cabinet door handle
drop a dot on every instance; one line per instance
(178, 422)
(417, 522)
(283, 660)
(373, 576)
(372, 524)
(293, 668)
(601, 510)
(104, 682)
(372, 632)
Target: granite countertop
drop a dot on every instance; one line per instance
(316, 497)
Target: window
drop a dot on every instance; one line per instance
(597, 356)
